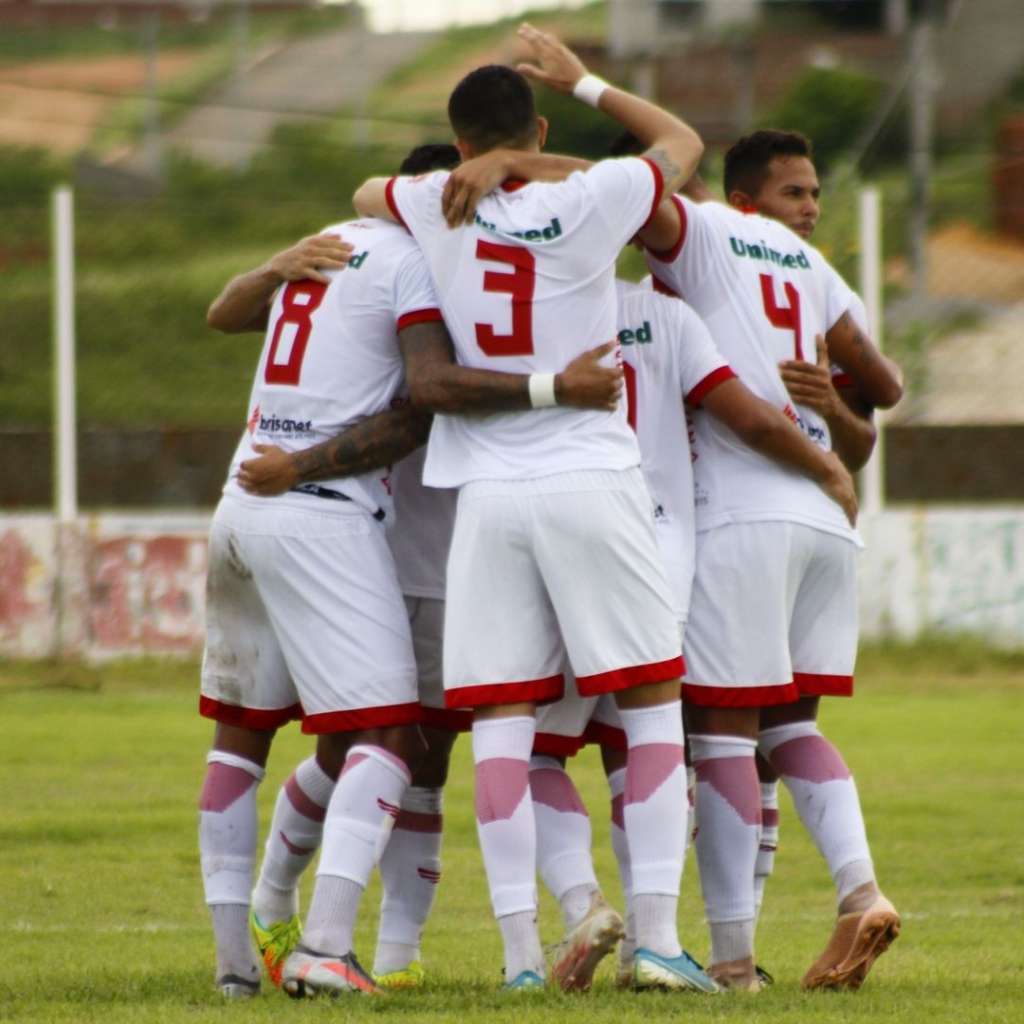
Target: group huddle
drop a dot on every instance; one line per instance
(614, 475)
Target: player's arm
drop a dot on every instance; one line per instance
(849, 420)
(767, 430)
(877, 379)
(378, 441)
(672, 144)
(371, 200)
(438, 384)
(244, 303)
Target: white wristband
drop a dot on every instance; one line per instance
(542, 390)
(589, 89)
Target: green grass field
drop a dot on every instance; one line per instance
(104, 919)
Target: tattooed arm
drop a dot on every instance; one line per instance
(877, 379)
(373, 443)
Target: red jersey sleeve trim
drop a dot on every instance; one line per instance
(389, 195)
(709, 383)
(842, 380)
(419, 316)
(671, 255)
(659, 185)
(663, 289)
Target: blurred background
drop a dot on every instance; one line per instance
(200, 137)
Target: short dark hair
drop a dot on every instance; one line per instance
(432, 156)
(626, 144)
(746, 162)
(493, 106)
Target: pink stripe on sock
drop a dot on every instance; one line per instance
(298, 851)
(647, 768)
(356, 757)
(429, 875)
(223, 785)
(555, 789)
(811, 758)
(735, 780)
(352, 761)
(501, 784)
(617, 816)
(419, 821)
(301, 801)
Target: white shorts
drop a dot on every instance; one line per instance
(565, 727)
(560, 568)
(426, 619)
(773, 615)
(304, 618)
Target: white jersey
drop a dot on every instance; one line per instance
(331, 358)
(764, 294)
(421, 531)
(668, 356)
(526, 289)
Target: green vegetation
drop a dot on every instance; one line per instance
(97, 856)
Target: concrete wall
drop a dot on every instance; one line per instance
(115, 585)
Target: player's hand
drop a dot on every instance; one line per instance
(586, 384)
(810, 384)
(469, 183)
(838, 485)
(556, 65)
(273, 472)
(307, 260)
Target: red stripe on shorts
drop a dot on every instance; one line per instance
(247, 718)
(537, 691)
(362, 718)
(816, 684)
(740, 696)
(605, 735)
(445, 718)
(626, 678)
(552, 745)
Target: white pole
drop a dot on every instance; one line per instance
(872, 476)
(65, 465)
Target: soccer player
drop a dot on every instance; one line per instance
(553, 552)
(765, 295)
(305, 617)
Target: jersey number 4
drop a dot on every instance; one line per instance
(786, 317)
(519, 285)
(291, 332)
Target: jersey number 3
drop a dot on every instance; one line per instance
(786, 317)
(291, 332)
(519, 285)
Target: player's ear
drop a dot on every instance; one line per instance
(741, 200)
(542, 131)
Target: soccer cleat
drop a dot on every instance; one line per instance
(857, 941)
(233, 986)
(524, 981)
(307, 973)
(579, 953)
(410, 976)
(275, 943)
(671, 974)
(763, 976)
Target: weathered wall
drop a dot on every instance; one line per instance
(114, 585)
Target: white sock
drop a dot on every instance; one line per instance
(294, 837)
(825, 797)
(563, 838)
(507, 832)
(360, 816)
(410, 871)
(729, 809)
(620, 846)
(227, 852)
(768, 844)
(654, 814)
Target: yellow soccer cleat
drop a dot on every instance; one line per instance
(275, 943)
(410, 976)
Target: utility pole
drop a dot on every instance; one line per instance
(632, 36)
(152, 149)
(922, 116)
